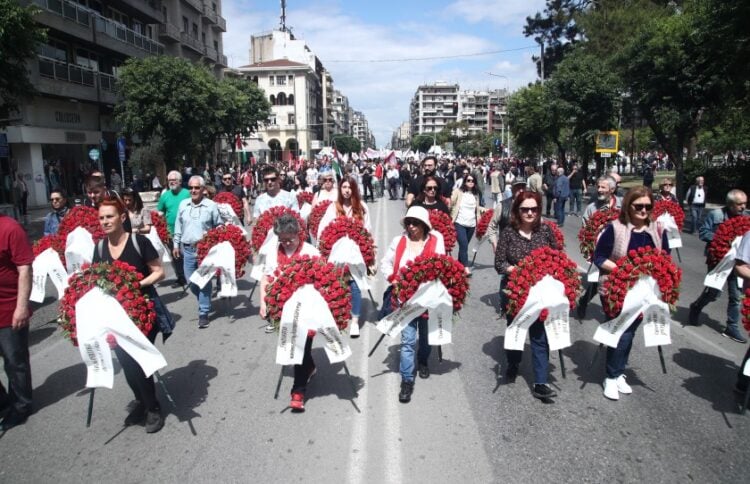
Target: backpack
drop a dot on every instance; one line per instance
(133, 237)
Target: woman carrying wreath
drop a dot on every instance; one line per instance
(136, 250)
(525, 233)
(429, 195)
(287, 229)
(349, 204)
(417, 239)
(465, 212)
(327, 189)
(632, 230)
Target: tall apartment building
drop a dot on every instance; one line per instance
(483, 111)
(432, 107)
(401, 137)
(341, 114)
(68, 128)
(360, 129)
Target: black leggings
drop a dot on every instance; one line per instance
(143, 388)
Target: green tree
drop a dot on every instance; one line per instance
(536, 120)
(19, 37)
(346, 144)
(421, 143)
(242, 107)
(172, 97)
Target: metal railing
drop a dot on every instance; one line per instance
(62, 71)
(169, 30)
(129, 36)
(223, 60)
(108, 82)
(191, 41)
(196, 4)
(69, 10)
(222, 23)
(211, 53)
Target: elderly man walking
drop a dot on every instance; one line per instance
(195, 217)
(169, 203)
(561, 193)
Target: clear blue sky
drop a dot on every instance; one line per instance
(346, 35)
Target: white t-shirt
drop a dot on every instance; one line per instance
(699, 196)
(467, 210)
(386, 264)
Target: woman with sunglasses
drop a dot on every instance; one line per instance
(136, 250)
(327, 189)
(665, 191)
(287, 229)
(418, 239)
(525, 233)
(140, 219)
(349, 204)
(465, 212)
(429, 196)
(632, 230)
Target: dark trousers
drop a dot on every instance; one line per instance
(302, 372)
(539, 353)
(393, 188)
(143, 387)
(560, 211)
(14, 348)
(617, 358)
(368, 189)
(404, 186)
(179, 270)
(550, 202)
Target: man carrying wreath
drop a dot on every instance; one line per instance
(417, 239)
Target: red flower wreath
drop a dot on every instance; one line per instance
(745, 310)
(442, 222)
(484, 223)
(86, 217)
(265, 223)
(160, 224)
(725, 234)
(645, 261)
(425, 268)
(316, 215)
(53, 242)
(672, 208)
(544, 261)
(352, 228)
(327, 279)
(233, 235)
(304, 197)
(119, 280)
(230, 199)
(556, 232)
(590, 231)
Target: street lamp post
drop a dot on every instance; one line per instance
(507, 91)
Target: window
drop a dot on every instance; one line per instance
(291, 78)
(165, 18)
(270, 80)
(290, 118)
(185, 24)
(213, 6)
(272, 100)
(281, 99)
(118, 16)
(281, 80)
(203, 37)
(272, 120)
(290, 100)
(138, 27)
(216, 45)
(85, 58)
(195, 30)
(54, 49)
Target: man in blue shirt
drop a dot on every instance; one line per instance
(59, 210)
(196, 216)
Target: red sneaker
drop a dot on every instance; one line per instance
(298, 402)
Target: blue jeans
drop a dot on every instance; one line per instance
(617, 358)
(696, 213)
(463, 235)
(539, 353)
(190, 261)
(408, 345)
(560, 211)
(734, 294)
(356, 299)
(576, 197)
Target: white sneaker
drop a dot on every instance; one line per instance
(622, 385)
(354, 328)
(610, 389)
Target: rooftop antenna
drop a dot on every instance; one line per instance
(283, 16)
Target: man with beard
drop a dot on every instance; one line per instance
(606, 186)
(428, 169)
(227, 185)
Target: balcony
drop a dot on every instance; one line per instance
(123, 35)
(150, 8)
(59, 78)
(221, 23)
(223, 60)
(191, 42)
(211, 53)
(64, 16)
(108, 89)
(169, 33)
(196, 4)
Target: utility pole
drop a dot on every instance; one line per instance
(283, 15)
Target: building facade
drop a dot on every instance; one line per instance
(68, 128)
(401, 138)
(483, 111)
(433, 107)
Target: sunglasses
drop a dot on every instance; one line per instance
(639, 207)
(469, 180)
(270, 180)
(411, 221)
(55, 199)
(430, 188)
(195, 188)
(227, 178)
(528, 209)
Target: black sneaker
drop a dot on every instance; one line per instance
(154, 421)
(511, 373)
(407, 388)
(13, 419)
(694, 314)
(136, 416)
(581, 309)
(543, 391)
(734, 335)
(203, 322)
(739, 390)
(424, 371)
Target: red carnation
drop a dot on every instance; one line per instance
(725, 234)
(672, 208)
(230, 199)
(54, 242)
(85, 217)
(264, 224)
(233, 235)
(413, 274)
(484, 224)
(304, 197)
(352, 228)
(556, 232)
(443, 223)
(316, 215)
(160, 224)
(589, 233)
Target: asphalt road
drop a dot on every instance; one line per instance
(463, 424)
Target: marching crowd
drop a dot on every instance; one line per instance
(517, 205)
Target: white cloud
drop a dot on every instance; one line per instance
(509, 13)
(382, 90)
